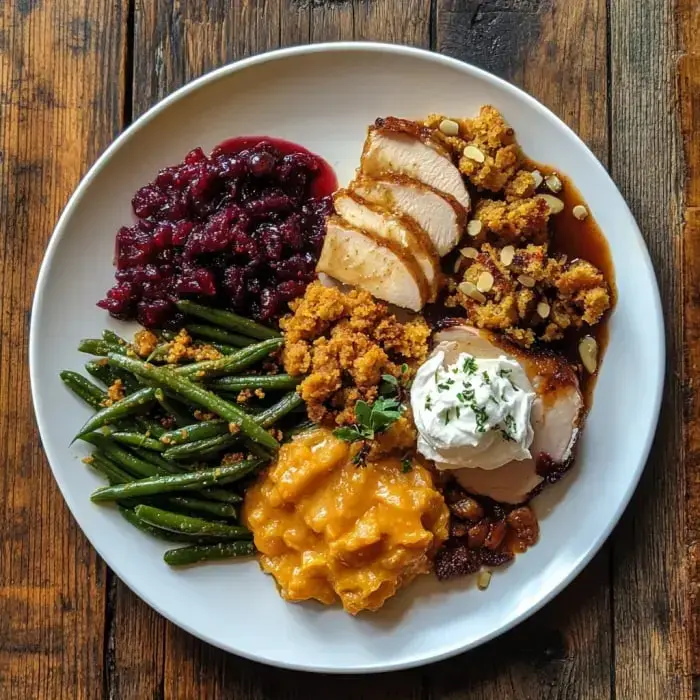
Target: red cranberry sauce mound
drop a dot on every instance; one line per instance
(241, 229)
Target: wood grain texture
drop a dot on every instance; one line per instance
(688, 19)
(555, 51)
(61, 94)
(651, 596)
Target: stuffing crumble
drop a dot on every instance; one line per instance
(343, 343)
(145, 342)
(527, 292)
(182, 349)
(535, 297)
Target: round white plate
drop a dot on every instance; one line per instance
(324, 97)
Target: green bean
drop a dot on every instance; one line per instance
(206, 399)
(230, 364)
(227, 319)
(218, 510)
(174, 522)
(155, 485)
(107, 469)
(251, 381)
(134, 439)
(201, 449)
(139, 468)
(304, 427)
(83, 388)
(224, 349)
(150, 426)
(172, 409)
(285, 405)
(131, 517)
(100, 370)
(197, 431)
(182, 556)
(110, 336)
(127, 406)
(97, 346)
(165, 467)
(201, 330)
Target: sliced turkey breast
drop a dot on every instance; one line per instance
(358, 258)
(393, 147)
(557, 414)
(380, 222)
(440, 215)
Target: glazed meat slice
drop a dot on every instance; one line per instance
(380, 222)
(440, 215)
(557, 415)
(357, 258)
(402, 147)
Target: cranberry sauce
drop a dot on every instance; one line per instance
(241, 229)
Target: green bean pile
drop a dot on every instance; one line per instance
(163, 465)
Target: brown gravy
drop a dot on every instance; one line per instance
(585, 240)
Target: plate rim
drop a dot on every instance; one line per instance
(656, 316)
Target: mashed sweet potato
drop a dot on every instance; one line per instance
(343, 343)
(327, 529)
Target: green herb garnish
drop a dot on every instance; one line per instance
(406, 465)
(469, 365)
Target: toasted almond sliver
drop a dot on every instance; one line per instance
(474, 228)
(469, 252)
(483, 580)
(449, 127)
(554, 203)
(485, 281)
(543, 309)
(526, 281)
(564, 257)
(537, 177)
(458, 264)
(553, 183)
(588, 350)
(473, 153)
(507, 255)
(471, 291)
(580, 212)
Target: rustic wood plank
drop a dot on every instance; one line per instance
(688, 19)
(650, 577)
(61, 96)
(332, 21)
(405, 22)
(556, 51)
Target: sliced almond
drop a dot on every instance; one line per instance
(473, 153)
(554, 203)
(588, 350)
(483, 580)
(507, 255)
(580, 212)
(469, 252)
(564, 257)
(458, 264)
(485, 281)
(474, 228)
(449, 127)
(537, 177)
(543, 309)
(526, 281)
(553, 183)
(472, 292)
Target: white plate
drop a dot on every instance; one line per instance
(323, 97)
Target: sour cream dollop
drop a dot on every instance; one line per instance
(473, 413)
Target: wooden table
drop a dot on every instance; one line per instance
(625, 74)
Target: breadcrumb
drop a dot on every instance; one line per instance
(145, 342)
(342, 343)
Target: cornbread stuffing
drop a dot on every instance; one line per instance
(343, 343)
(511, 280)
(182, 348)
(115, 393)
(145, 342)
(533, 297)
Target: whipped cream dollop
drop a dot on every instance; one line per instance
(473, 413)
